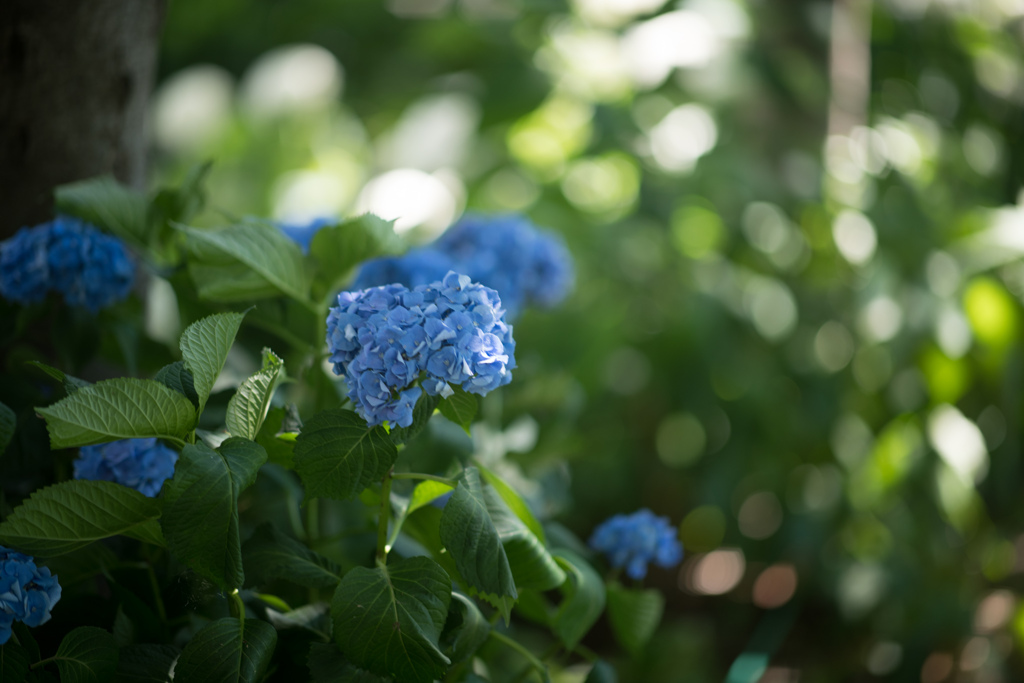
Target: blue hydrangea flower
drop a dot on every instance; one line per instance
(27, 592)
(632, 541)
(507, 253)
(142, 464)
(302, 233)
(387, 340)
(89, 268)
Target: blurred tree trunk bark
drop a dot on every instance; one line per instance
(75, 82)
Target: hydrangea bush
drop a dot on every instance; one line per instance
(283, 523)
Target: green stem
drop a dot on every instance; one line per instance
(430, 477)
(156, 591)
(385, 513)
(313, 520)
(43, 661)
(236, 605)
(175, 440)
(529, 656)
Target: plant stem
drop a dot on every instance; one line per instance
(385, 513)
(156, 591)
(529, 656)
(236, 605)
(431, 477)
(313, 520)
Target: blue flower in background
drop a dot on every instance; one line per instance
(386, 339)
(417, 267)
(632, 541)
(509, 254)
(27, 593)
(302, 233)
(142, 464)
(89, 268)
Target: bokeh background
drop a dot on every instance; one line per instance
(796, 327)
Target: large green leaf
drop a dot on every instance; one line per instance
(87, 655)
(228, 651)
(583, 602)
(270, 554)
(461, 407)
(471, 538)
(123, 408)
(337, 456)
(514, 502)
(248, 407)
(204, 348)
(532, 565)
(146, 664)
(175, 376)
(246, 261)
(14, 662)
(389, 619)
(634, 615)
(67, 516)
(108, 204)
(200, 517)
(465, 630)
(8, 421)
(327, 664)
(336, 249)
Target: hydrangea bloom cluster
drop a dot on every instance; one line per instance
(386, 339)
(632, 541)
(142, 464)
(89, 268)
(27, 592)
(302, 233)
(507, 253)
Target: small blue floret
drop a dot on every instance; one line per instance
(27, 592)
(632, 541)
(141, 464)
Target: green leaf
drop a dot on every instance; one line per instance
(146, 664)
(64, 517)
(226, 651)
(244, 262)
(514, 502)
(183, 202)
(200, 517)
(248, 407)
(204, 348)
(8, 421)
(634, 615)
(421, 414)
(425, 493)
(108, 204)
(269, 554)
(461, 408)
(603, 672)
(337, 456)
(124, 408)
(87, 655)
(389, 619)
(313, 617)
(14, 662)
(175, 376)
(583, 602)
(471, 538)
(465, 630)
(70, 384)
(328, 665)
(337, 249)
(532, 565)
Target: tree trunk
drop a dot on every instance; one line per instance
(75, 82)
